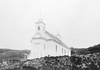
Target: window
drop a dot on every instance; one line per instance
(62, 50)
(56, 48)
(44, 47)
(38, 28)
(65, 52)
(43, 28)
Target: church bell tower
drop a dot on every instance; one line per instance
(40, 26)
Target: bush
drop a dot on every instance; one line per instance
(80, 62)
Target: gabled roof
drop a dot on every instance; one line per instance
(57, 40)
(54, 38)
(37, 35)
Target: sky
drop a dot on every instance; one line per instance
(77, 21)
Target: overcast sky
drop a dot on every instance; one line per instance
(78, 21)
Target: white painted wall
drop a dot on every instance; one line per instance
(42, 48)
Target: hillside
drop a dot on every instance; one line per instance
(92, 49)
(10, 53)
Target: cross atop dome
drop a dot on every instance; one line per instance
(40, 18)
(58, 35)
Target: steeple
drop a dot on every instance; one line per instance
(40, 25)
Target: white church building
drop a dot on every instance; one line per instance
(46, 44)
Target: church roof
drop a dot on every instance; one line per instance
(55, 39)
